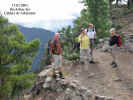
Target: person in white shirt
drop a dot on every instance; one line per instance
(92, 36)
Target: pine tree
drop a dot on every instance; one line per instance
(130, 4)
(82, 21)
(68, 43)
(98, 14)
(16, 55)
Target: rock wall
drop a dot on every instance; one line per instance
(47, 88)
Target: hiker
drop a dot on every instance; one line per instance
(84, 45)
(56, 53)
(92, 36)
(114, 44)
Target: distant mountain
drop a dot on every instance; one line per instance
(43, 35)
(53, 25)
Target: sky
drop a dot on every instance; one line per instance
(50, 14)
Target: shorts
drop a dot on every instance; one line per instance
(92, 43)
(83, 54)
(112, 49)
(57, 63)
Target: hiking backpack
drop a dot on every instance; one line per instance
(50, 42)
(119, 40)
(54, 43)
(94, 30)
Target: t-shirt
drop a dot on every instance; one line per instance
(84, 41)
(113, 40)
(91, 33)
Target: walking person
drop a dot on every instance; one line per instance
(56, 53)
(84, 45)
(92, 36)
(114, 44)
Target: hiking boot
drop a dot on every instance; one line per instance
(92, 62)
(54, 76)
(61, 75)
(57, 79)
(114, 65)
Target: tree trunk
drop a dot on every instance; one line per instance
(130, 4)
(117, 1)
(110, 8)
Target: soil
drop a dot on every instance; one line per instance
(104, 80)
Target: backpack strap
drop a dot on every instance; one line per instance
(87, 30)
(54, 43)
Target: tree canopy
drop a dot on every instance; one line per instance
(16, 55)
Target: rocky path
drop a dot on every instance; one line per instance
(102, 79)
(88, 80)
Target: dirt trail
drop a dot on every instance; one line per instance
(104, 80)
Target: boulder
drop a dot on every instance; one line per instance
(44, 73)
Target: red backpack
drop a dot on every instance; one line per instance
(119, 40)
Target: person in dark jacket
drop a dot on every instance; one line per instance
(113, 43)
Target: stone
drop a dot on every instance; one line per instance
(76, 98)
(99, 98)
(72, 85)
(48, 67)
(68, 94)
(55, 85)
(77, 74)
(48, 79)
(27, 97)
(84, 93)
(83, 89)
(89, 95)
(59, 89)
(44, 73)
(101, 40)
(91, 75)
(117, 79)
(46, 85)
(64, 82)
(68, 90)
(105, 48)
(75, 81)
(109, 98)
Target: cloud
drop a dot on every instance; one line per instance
(48, 12)
(53, 25)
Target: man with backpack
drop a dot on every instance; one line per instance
(114, 43)
(92, 36)
(56, 53)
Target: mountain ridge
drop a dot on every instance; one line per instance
(43, 35)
